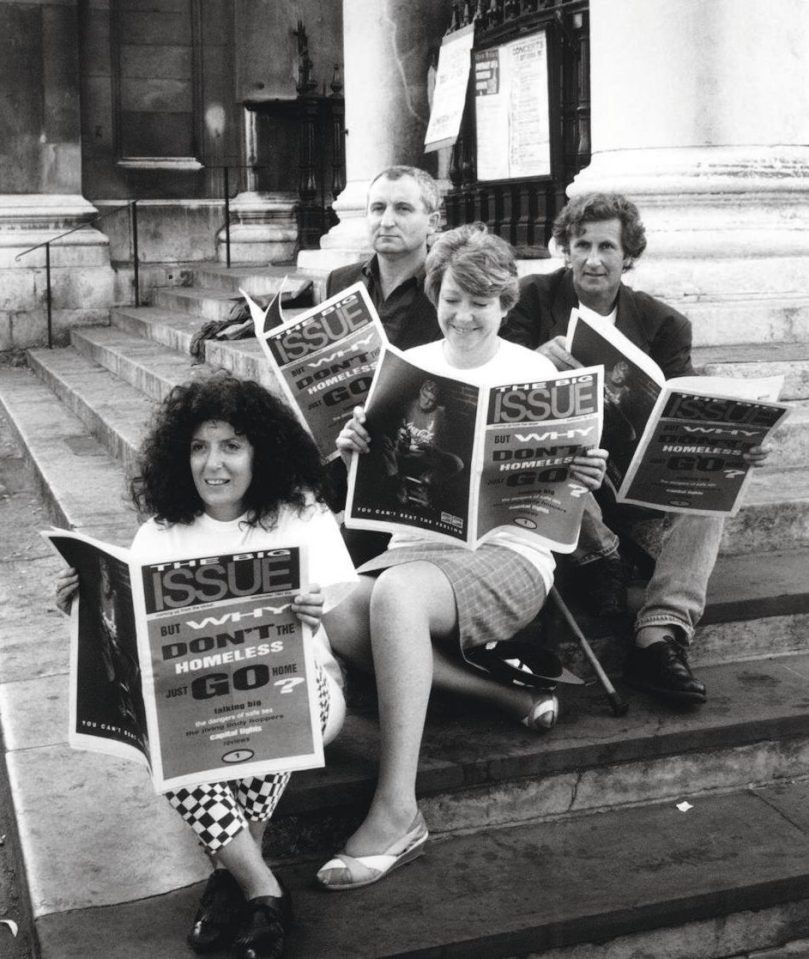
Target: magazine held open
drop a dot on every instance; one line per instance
(675, 445)
(197, 667)
(495, 456)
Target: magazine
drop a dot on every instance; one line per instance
(324, 358)
(460, 461)
(197, 667)
(675, 445)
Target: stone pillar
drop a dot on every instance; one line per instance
(706, 125)
(387, 46)
(40, 159)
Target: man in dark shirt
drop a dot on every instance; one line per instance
(601, 235)
(403, 210)
(402, 213)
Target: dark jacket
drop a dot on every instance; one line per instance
(543, 312)
(407, 314)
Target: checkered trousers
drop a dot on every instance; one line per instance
(217, 812)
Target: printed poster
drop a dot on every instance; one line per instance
(512, 113)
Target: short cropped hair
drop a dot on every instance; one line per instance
(482, 264)
(428, 188)
(286, 462)
(594, 208)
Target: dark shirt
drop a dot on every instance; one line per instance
(407, 314)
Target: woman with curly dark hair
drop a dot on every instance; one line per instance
(227, 467)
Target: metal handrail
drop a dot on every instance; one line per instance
(47, 244)
(132, 205)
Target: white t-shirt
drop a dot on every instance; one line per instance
(330, 565)
(597, 318)
(510, 364)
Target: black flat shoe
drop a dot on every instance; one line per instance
(221, 910)
(263, 932)
(662, 669)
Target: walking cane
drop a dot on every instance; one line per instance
(619, 707)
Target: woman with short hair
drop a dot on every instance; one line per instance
(423, 597)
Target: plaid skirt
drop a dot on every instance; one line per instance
(497, 591)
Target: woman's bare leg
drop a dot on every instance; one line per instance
(408, 605)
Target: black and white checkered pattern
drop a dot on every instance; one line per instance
(323, 697)
(259, 796)
(211, 811)
(219, 811)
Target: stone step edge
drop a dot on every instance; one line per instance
(93, 463)
(758, 481)
(547, 888)
(571, 757)
(740, 607)
(96, 335)
(599, 913)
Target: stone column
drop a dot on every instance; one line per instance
(387, 47)
(700, 113)
(40, 156)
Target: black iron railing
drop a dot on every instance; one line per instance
(47, 244)
(521, 210)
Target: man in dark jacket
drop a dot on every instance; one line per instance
(601, 235)
(403, 210)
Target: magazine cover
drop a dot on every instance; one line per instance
(107, 711)
(632, 384)
(419, 470)
(675, 445)
(689, 458)
(324, 358)
(460, 461)
(221, 675)
(532, 432)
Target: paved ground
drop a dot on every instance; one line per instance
(19, 505)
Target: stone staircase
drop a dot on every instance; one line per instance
(569, 846)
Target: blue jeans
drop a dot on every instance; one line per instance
(684, 547)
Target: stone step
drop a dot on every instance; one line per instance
(242, 357)
(564, 889)
(206, 303)
(743, 589)
(115, 413)
(175, 330)
(761, 319)
(257, 281)
(245, 358)
(483, 780)
(788, 359)
(203, 303)
(142, 363)
(754, 608)
(725, 880)
(790, 441)
(82, 485)
(775, 515)
(148, 365)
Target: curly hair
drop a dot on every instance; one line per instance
(481, 263)
(286, 463)
(594, 208)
